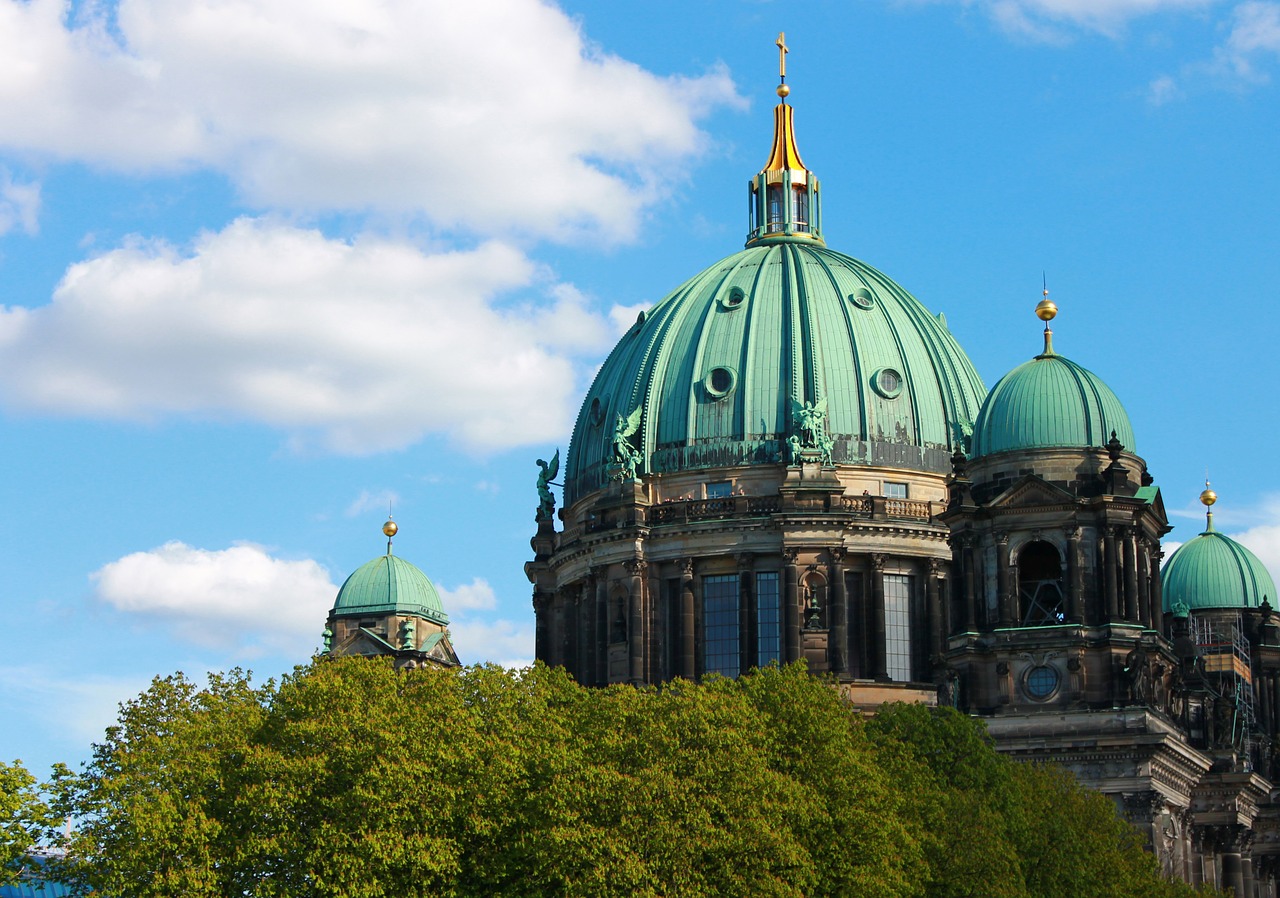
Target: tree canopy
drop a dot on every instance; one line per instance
(349, 778)
(26, 820)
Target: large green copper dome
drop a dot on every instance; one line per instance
(715, 367)
(1215, 571)
(1050, 402)
(389, 585)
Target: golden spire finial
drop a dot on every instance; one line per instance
(389, 529)
(783, 50)
(1046, 311)
(1207, 498)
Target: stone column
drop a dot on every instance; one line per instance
(1075, 588)
(935, 613)
(1110, 585)
(747, 613)
(1145, 612)
(1130, 576)
(970, 586)
(1157, 593)
(585, 669)
(591, 632)
(790, 607)
(838, 638)
(542, 626)
(635, 627)
(688, 664)
(601, 576)
(958, 593)
(879, 630)
(1004, 601)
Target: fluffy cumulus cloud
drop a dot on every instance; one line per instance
(357, 346)
(242, 598)
(489, 117)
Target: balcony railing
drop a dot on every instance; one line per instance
(691, 510)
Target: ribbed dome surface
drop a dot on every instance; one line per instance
(389, 585)
(1050, 402)
(717, 364)
(1215, 571)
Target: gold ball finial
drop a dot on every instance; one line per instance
(784, 91)
(1208, 497)
(1046, 309)
(389, 529)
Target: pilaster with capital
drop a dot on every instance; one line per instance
(838, 639)
(791, 605)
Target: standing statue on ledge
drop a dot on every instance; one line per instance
(547, 501)
(625, 456)
(810, 422)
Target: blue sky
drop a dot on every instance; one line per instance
(267, 267)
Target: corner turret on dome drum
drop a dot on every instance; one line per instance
(1213, 571)
(389, 607)
(754, 471)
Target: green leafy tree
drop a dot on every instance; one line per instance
(26, 820)
(351, 779)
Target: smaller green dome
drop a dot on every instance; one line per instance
(1049, 402)
(1215, 571)
(389, 585)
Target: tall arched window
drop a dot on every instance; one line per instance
(1041, 599)
(801, 207)
(775, 210)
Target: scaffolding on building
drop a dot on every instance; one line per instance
(1224, 652)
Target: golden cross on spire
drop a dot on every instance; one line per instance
(783, 50)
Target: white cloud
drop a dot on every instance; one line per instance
(1255, 34)
(362, 346)
(241, 598)
(503, 642)
(490, 117)
(19, 204)
(477, 595)
(367, 501)
(1053, 21)
(1242, 59)
(73, 707)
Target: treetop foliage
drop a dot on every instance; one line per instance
(351, 779)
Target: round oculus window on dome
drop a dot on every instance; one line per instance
(734, 299)
(863, 298)
(1041, 682)
(720, 382)
(596, 414)
(887, 382)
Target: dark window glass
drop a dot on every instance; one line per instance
(768, 619)
(722, 489)
(897, 626)
(720, 624)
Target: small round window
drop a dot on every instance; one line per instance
(720, 382)
(887, 382)
(862, 298)
(596, 414)
(733, 299)
(1041, 682)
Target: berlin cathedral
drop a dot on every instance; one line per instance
(791, 458)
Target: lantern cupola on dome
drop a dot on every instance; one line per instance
(785, 203)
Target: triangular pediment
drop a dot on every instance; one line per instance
(364, 642)
(1029, 492)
